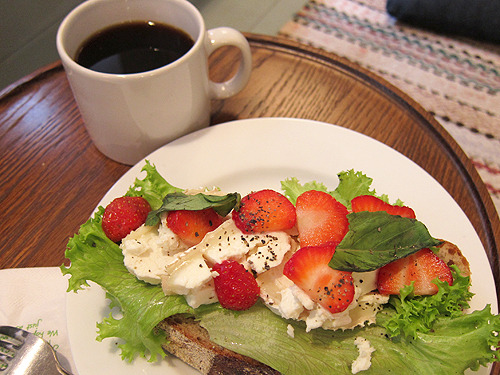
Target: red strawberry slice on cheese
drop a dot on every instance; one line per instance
(191, 226)
(308, 269)
(421, 268)
(321, 219)
(373, 204)
(264, 211)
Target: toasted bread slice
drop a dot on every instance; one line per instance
(452, 255)
(190, 342)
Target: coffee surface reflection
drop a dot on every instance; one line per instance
(133, 47)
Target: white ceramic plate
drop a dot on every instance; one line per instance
(252, 154)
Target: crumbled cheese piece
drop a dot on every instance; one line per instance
(261, 251)
(290, 306)
(302, 296)
(148, 249)
(363, 362)
(170, 242)
(203, 295)
(269, 250)
(290, 331)
(186, 274)
(318, 317)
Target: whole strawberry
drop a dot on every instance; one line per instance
(236, 288)
(123, 215)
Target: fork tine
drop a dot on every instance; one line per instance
(8, 343)
(7, 349)
(17, 335)
(8, 346)
(7, 336)
(9, 331)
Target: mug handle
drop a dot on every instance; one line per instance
(226, 36)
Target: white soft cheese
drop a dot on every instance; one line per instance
(290, 306)
(225, 242)
(268, 250)
(290, 331)
(203, 295)
(261, 251)
(187, 274)
(286, 299)
(363, 362)
(148, 249)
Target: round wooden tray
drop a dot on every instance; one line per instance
(53, 176)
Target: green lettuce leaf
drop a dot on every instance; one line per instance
(292, 188)
(351, 184)
(413, 314)
(454, 344)
(377, 238)
(96, 258)
(153, 187)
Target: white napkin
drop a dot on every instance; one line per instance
(34, 299)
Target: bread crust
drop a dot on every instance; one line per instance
(452, 255)
(190, 342)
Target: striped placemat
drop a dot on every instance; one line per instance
(455, 79)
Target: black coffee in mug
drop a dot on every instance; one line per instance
(133, 47)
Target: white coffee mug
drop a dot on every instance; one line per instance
(130, 115)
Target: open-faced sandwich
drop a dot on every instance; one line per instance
(304, 281)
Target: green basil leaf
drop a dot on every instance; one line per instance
(377, 238)
(222, 204)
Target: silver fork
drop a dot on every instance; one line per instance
(23, 353)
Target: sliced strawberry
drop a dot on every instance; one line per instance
(421, 267)
(191, 226)
(308, 269)
(264, 211)
(374, 204)
(321, 219)
(236, 288)
(123, 215)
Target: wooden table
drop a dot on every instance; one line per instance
(52, 176)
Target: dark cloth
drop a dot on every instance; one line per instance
(478, 19)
